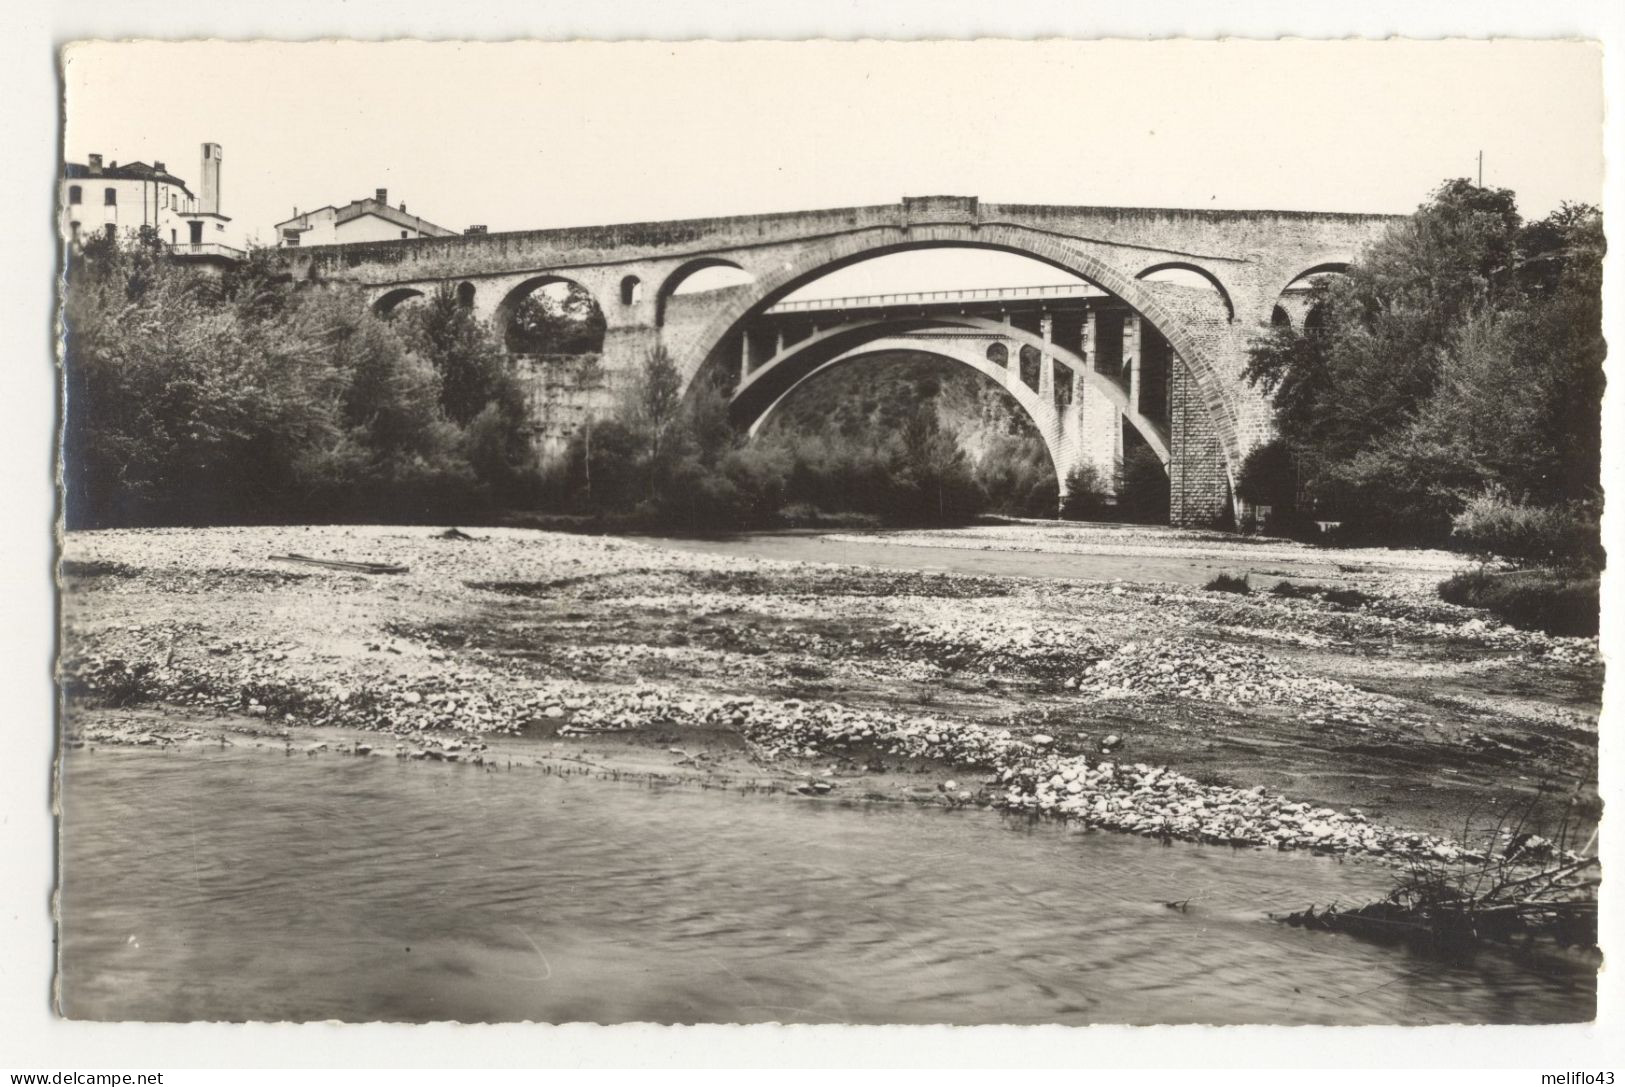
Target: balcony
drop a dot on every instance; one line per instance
(205, 251)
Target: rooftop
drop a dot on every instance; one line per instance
(130, 171)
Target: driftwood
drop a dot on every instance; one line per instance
(340, 564)
(1430, 911)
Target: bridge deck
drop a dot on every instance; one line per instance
(1057, 291)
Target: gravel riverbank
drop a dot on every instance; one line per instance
(1291, 723)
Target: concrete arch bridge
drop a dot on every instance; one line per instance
(1127, 354)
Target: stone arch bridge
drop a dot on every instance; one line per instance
(1125, 359)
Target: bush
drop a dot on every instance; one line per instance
(1085, 494)
(1144, 499)
(1555, 601)
(1228, 583)
(1269, 478)
(1568, 535)
(1342, 598)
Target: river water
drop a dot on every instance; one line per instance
(242, 884)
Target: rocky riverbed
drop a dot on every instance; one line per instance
(1382, 724)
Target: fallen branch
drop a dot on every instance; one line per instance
(341, 564)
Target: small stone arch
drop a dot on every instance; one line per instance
(503, 315)
(465, 294)
(1330, 267)
(681, 273)
(631, 290)
(1032, 363)
(384, 305)
(1186, 266)
(998, 354)
(1297, 304)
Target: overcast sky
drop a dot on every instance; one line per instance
(535, 135)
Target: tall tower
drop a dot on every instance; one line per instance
(209, 183)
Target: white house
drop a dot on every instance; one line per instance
(117, 201)
(365, 220)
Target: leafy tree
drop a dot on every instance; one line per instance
(1085, 494)
(1269, 477)
(471, 368)
(192, 399)
(1463, 352)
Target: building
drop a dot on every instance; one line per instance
(118, 201)
(369, 219)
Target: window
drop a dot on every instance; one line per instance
(74, 226)
(290, 237)
(110, 229)
(76, 195)
(403, 233)
(171, 235)
(110, 197)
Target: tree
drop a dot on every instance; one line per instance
(657, 402)
(470, 365)
(1462, 352)
(1144, 497)
(1269, 477)
(191, 399)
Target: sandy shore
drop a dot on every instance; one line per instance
(1396, 726)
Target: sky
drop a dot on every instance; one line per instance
(528, 135)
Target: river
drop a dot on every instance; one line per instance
(242, 884)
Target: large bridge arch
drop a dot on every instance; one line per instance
(854, 337)
(774, 280)
(975, 358)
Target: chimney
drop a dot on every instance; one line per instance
(156, 165)
(477, 229)
(381, 196)
(209, 184)
(403, 205)
(95, 164)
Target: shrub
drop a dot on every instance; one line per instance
(1555, 601)
(1085, 494)
(1268, 477)
(1144, 499)
(1341, 597)
(1567, 535)
(1228, 583)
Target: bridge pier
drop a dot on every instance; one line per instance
(1198, 477)
(1131, 358)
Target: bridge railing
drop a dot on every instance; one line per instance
(915, 298)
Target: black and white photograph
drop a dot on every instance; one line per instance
(979, 533)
